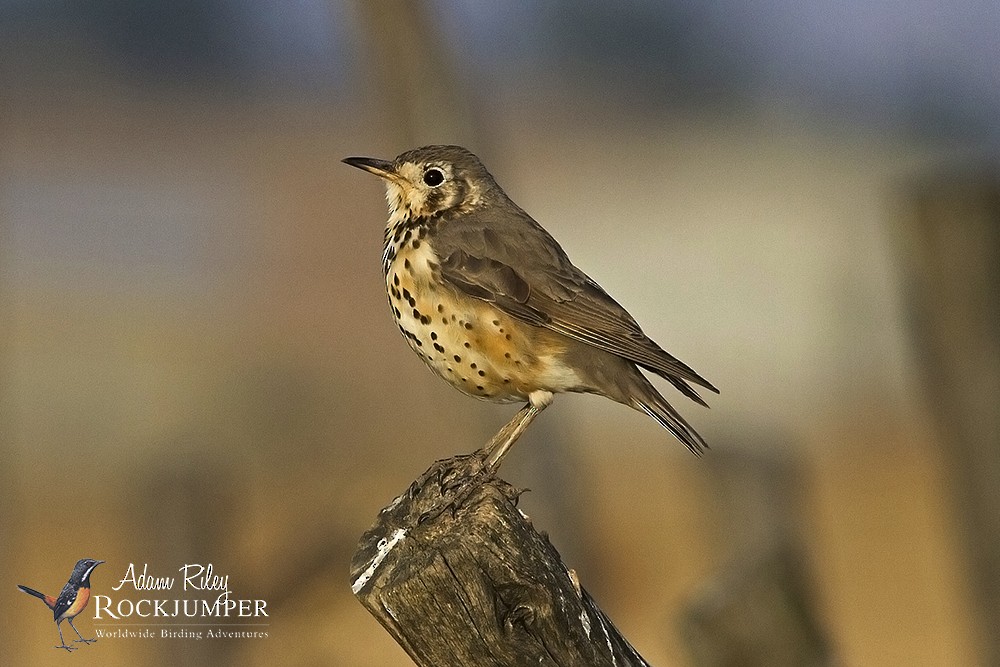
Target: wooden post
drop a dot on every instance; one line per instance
(950, 231)
(458, 576)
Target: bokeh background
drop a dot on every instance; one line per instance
(800, 200)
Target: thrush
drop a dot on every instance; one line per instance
(492, 304)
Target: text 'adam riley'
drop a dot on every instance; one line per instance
(194, 577)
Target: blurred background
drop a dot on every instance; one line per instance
(800, 200)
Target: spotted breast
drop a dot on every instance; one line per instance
(475, 347)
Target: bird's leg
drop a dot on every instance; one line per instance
(500, 444)
(62, 642)
(81, 637)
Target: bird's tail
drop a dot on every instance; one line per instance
(48, 600)
(32, 591)
(645, 398)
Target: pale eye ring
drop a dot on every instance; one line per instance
(433, 177)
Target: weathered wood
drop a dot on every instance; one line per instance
(458, 576)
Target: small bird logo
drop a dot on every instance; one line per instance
(71, 601)
(491, 303)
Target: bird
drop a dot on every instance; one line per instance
(71, 601)
(489, 300)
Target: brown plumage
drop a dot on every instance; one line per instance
(469, 273)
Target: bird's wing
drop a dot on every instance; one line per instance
(65, 600)
(491, 280)
(546, 289)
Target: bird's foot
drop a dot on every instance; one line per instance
(85, 640)
(68, 648)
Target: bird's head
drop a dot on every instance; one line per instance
(83, 568)
(431, 181)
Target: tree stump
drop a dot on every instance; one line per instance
(458, 576)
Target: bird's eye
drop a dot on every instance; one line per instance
(433, 177)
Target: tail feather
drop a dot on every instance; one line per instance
(47, 599)
(646, 399)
